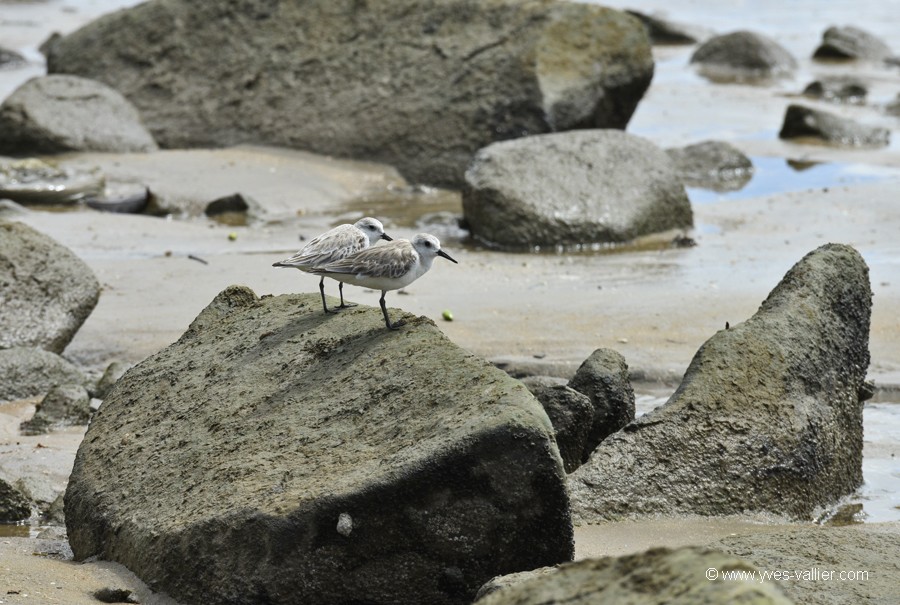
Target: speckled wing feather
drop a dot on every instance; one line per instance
(329, 247)
(392, 260)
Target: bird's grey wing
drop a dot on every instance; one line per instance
(380, 261)
(330, 247)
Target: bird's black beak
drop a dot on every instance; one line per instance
(445, 255)
(387, 237)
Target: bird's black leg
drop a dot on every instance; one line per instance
(387, 320)
(322, 290)
(343, 304)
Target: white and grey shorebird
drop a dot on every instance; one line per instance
(334, 245)
(389, 267)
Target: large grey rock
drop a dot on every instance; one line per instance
(29, 371)
(659, 576)
(46, 292)
(57, 113)
(713, 165)
(827, 565)
(743, 55)
(276, 454)
(806, 122)
(571, 189)
(768, 416)
(603, 377)
(571, 414)
(852, 43)
(63, 405)
(419, 84)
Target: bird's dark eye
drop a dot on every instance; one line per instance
(427, 244)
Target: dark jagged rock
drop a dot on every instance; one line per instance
(805, 122)
(58, 113)
(571, 414)
(276, 454)
(767, 417)
(743, 55)
(659, 576)
(573, 189)
(14, 505)
(46, 292)
(603, 377)
(418, 84)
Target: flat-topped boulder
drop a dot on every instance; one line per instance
(276, 454)
(768, 417)
(418, 84)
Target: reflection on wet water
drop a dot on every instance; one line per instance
(773, 176)
(878, 500)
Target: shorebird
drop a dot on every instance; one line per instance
(334, 245)
(388, 267)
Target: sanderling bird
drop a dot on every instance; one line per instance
(388, 267)
(334, 245)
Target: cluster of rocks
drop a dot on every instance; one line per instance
(746, 56)
(446, 117)
(279, 450)
(447, 78)
(46, 293)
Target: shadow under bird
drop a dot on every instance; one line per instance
(334, 245)
(388, 267)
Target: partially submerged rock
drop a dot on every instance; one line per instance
(46, 292)
(603, 377)
(659, 576)
(851, 42)
(743, 56)
(28, 372)
(57, 113)
(767, 418)
(276, 454)
(805, 122)
(713, 165)
(573, 189)
(33, 181)
(418, 84)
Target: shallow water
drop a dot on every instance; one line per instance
(774, 176)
